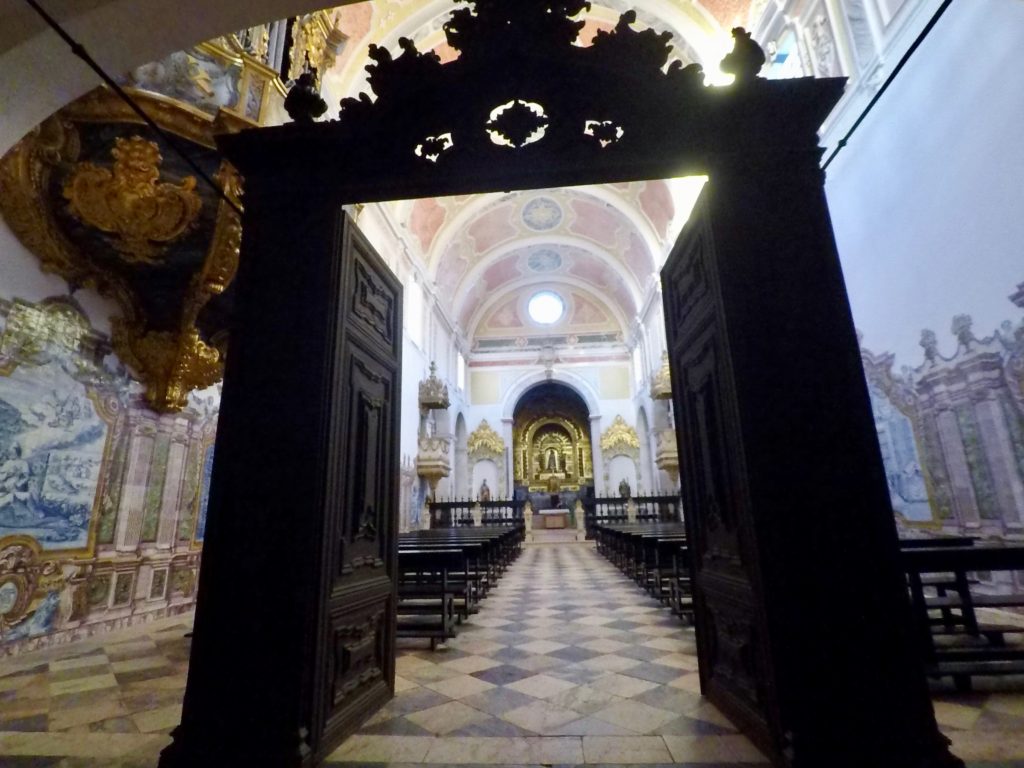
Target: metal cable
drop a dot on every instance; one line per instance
(888, 81)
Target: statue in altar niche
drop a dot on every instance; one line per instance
(552, 460)
(624, 490)
(484, 494)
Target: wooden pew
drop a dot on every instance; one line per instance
(972, 647)
(426, 598)
(655, 555)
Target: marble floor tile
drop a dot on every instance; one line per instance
(539, 716)
(541, 686)
(713, 749)
(541, 646)
(622, 685)
(636, 716)
(627, 750)
(459, 687)
(470, 664)
(382, 749)
(447, 717)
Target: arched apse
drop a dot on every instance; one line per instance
(551, 448)
(578, 384)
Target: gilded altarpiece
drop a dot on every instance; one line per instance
(484, 444)
(553, 453)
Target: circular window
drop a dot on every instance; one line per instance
(546, 307)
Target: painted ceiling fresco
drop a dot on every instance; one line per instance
(597, 247)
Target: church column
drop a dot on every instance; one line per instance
(964, 501)
(998, 446)
(170, 504)
(510, 459)
(133, 494)
(805, 634)
(595, 448)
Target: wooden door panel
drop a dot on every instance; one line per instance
(735, 662)
(355, 671)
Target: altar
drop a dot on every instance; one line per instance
(554, 518)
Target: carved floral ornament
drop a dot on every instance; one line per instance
(120, 219)
(620, 439)
(484, 442)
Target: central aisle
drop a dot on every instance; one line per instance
(568, 662)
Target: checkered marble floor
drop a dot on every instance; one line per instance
(568, 663)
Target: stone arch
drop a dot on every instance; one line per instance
(524, 384)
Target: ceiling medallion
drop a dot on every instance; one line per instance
(544, 260)
(542, 214)
(130, 203)
(517, 124)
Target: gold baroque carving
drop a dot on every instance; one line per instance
(170, 363)
(22, 575)
(175, 364)
(130, 203)
(484, 441)
(619, 438)
(661, 384)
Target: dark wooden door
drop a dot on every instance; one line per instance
(736, 670)
(355, 657)
(800, 600)
(294, 631)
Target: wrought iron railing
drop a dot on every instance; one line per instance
(452, 513)
(615, 509)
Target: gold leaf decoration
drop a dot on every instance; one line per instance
(484, 441)
(130, 203)
(661, 384)
(619, 438)
(171, 364)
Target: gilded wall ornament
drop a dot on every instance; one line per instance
(433, 392)
(166, 333)
(130, 203)
(484, 442)
(173, 364)
(620, 439)
(23, 575)
(661, 383)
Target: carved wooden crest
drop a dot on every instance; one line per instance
(530, 102)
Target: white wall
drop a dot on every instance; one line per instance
(928, 200)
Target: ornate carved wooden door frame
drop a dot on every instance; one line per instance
(522, 107)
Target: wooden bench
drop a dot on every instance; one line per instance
(655, 555)
(958, 644)
(426, 597)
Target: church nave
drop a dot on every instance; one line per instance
(567, 663)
